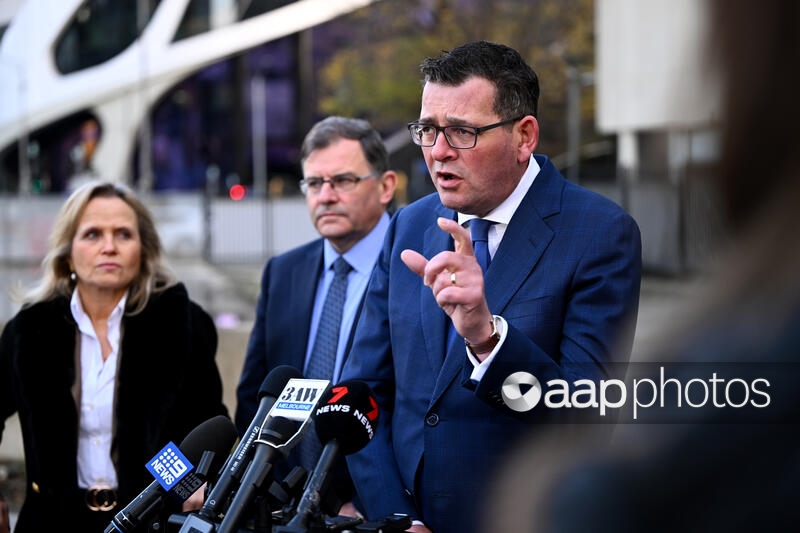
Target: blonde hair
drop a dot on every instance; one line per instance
(154, 275)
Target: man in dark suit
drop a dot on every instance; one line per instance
(558, 299)
(348, 188)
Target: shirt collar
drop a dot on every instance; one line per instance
(82, 319)
(364, 253)
(502, 213)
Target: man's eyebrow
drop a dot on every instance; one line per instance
(346, 173)
(449, 121)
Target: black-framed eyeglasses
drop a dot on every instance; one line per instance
(340, 183)
(461, 137)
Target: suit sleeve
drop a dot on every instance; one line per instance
(600, 304)
(373, 469)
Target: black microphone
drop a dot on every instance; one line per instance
(345, 419)
(270, 389)
(279, 434)
(206, 443)
(269, 448)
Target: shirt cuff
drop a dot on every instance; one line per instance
(482, 366)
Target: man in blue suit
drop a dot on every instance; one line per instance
(558, 299)
(348, 188)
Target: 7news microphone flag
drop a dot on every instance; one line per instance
(345, 420)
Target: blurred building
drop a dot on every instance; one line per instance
(184, 99)
(656, 93)
(188, 98)
(166, 94)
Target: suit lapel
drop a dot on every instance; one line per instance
(434, 320)
(304, 285)
(302, 288)
(526, 238)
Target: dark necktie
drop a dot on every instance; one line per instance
(323, 356)
(479, 230)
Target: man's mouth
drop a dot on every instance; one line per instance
(446, 175)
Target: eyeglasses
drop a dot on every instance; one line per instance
(339, 183)
(461, 137)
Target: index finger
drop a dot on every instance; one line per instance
(461, 236)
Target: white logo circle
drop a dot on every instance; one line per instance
(512, 392)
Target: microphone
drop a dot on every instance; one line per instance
(345, 420)
(286, 422)
(175, 473)
(268, 393)
(276, 432)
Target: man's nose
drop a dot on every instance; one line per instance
(441, 149)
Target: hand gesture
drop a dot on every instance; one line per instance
(456, 280)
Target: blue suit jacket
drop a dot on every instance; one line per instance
(565, 277)
(280, 335)
(282, 322)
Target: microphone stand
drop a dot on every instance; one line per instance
(308, 509)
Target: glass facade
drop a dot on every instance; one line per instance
(99, 30)
(205, 125)
(201, 129)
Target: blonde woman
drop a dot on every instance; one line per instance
(107, 360)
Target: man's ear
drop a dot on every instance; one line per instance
(528, 140)
(388, 184)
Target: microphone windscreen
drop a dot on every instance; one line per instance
(348, 413)
(278, 430)
(277, 379)
(217, 434)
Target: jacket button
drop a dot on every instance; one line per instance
(432, 420)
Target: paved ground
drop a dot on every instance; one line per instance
(229, 293)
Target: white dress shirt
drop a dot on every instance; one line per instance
(98, 379)
(501, 215)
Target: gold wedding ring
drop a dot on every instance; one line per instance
(453, 278)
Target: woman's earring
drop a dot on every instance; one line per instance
(73, 276)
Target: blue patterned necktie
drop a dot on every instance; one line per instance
(479, 230)
(323, 356)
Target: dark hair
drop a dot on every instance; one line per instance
(516, 82)
(330, 129)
